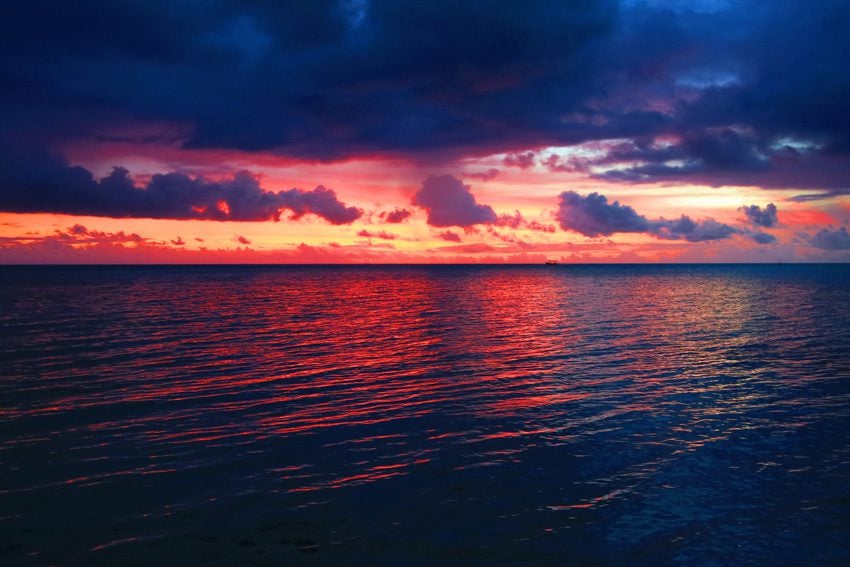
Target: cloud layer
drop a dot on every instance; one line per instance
(709, 91)
(43, 183)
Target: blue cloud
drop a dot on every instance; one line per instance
(594, 216)
(831, 239)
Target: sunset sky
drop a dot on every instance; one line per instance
(411, 131)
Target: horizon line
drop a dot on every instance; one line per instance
(405, 264)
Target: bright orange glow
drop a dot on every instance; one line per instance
(380, 184)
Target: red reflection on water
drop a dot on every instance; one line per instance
(271, 355)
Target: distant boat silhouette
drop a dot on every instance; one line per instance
(551, 262)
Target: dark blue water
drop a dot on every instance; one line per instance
(425, 415)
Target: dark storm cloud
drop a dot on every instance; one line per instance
(594, 216)
(761, 217)
(46, 184)
(449, 202)
(305, 78)
(768, 103)
(831, 239)
(748, 90)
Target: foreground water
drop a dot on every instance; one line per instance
(426, 415)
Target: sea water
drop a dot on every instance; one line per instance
(425, 414)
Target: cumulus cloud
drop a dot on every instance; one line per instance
(449, 202)
(594, 216)
(242, 240)
(761, 217)
(44, 183)
(449, 236)
(685, 228)
(831, 239)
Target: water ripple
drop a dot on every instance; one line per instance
(624, 413)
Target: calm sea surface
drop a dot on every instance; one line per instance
(425, 415)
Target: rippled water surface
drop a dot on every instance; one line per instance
(425, 415)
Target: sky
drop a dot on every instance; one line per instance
(402, 131)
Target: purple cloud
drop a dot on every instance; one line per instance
(555, 164)
(685, 228)
(46, 184)
(449, 236)
(522, 161)
(449, 202)
(517, 221)
(79, 234)
(831, 239)
(593, 216)
(763, 237)
(484, 175)
(761, 217)
(407, 78)
(395, 216)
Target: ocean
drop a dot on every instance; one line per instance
(427, 415)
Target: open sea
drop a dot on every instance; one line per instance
(433, 415)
